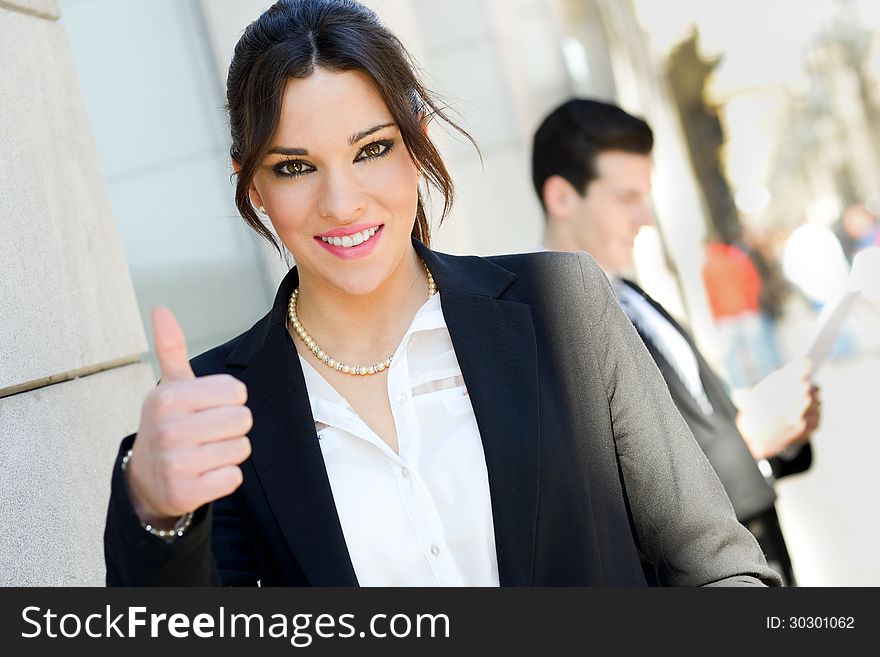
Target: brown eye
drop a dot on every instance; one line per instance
(374, 150)
(293, 168)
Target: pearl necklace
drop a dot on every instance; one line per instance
(326, 358)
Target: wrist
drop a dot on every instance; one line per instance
(164, 527)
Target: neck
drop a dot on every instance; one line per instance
(363, 328)
(558, 239)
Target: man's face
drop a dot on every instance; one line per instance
(617, 203)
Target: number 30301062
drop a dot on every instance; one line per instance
(811, 623)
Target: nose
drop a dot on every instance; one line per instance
(341, 198)
(644, 215)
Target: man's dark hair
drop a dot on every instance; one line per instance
(572, 136)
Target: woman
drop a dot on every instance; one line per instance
(413, 418)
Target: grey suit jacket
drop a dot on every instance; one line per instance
(595, 479)
(717, 434)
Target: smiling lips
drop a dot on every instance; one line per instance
(352, 244)
(353, 239)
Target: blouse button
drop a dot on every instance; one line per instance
(402, 397)
(435, 550)
(404, 472)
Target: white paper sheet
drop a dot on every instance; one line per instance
(828, 326)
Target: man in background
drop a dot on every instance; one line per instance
(591, 167)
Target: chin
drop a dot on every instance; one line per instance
(360, 288)
(358, 284)
(624, 261)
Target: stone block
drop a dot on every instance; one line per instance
(65, 293)
(56, 458)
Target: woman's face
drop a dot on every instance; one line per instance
(338, 183)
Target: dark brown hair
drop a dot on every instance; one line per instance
(574, 134)
(290, 40)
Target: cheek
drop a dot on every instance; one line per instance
(606, 225)
(289, 215)
(289, 205)
(396, 187)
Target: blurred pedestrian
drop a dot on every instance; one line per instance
(733, 287)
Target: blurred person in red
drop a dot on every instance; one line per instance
(591, 168)
(733, 287)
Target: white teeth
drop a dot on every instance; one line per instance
(347, 241)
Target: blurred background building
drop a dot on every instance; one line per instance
(760, 132)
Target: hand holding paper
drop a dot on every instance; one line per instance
(781, 412)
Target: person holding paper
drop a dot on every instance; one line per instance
(591, 168)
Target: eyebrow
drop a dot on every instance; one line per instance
(283, 150)
(355, 138)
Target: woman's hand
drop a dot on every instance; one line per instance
(192, 434)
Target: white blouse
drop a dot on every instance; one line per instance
(423, 517)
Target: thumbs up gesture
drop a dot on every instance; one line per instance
(192, 434)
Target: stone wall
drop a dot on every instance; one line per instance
(71, 339)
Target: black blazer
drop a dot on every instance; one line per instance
(593, 474)
(750, 493)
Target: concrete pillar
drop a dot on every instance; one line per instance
(71, 378)
(642, 89)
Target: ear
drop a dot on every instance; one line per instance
(560, 197)
(256, 199)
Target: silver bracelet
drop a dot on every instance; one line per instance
(179, 526)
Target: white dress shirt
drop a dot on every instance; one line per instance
(422, 517)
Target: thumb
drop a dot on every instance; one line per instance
(170, 346)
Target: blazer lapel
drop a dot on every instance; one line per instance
(286, 454)
(494, 342)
